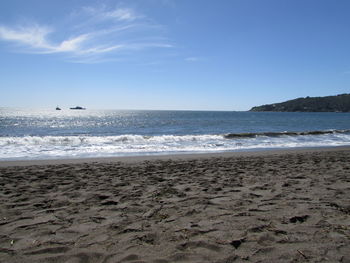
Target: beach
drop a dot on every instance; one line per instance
(267, 206)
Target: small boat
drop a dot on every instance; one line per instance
(78, 108)
(58, 108)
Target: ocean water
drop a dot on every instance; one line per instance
(47, 133)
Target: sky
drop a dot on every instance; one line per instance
(171, 54)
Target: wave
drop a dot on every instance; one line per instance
(131, 138)
(278, 134)
(44, 147)
(120, 139)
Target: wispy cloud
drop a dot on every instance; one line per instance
(95, 33)
(193, 59)
(119, 14)
(33, 36)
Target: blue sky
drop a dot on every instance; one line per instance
(172, 54)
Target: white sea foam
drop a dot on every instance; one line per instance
(46, 147)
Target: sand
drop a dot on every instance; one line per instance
(277, 206)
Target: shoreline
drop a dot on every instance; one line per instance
(180, 156)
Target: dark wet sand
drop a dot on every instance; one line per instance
(276, 206)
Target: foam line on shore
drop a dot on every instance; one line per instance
(186, 156)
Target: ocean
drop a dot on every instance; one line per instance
(27, 134)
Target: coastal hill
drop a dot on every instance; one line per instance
(338, 103)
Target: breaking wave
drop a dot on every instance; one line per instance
(278, 134)
(46, 147)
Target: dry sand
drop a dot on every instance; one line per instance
(281, 206)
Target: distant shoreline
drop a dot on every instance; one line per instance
(338, 103)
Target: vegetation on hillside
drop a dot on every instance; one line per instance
(338, 103)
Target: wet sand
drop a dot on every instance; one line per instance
(276, 206)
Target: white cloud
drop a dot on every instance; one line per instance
(71, 45)
(93, 33)
(34, 36)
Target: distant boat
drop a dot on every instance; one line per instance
(58, 108)
(78, 108)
